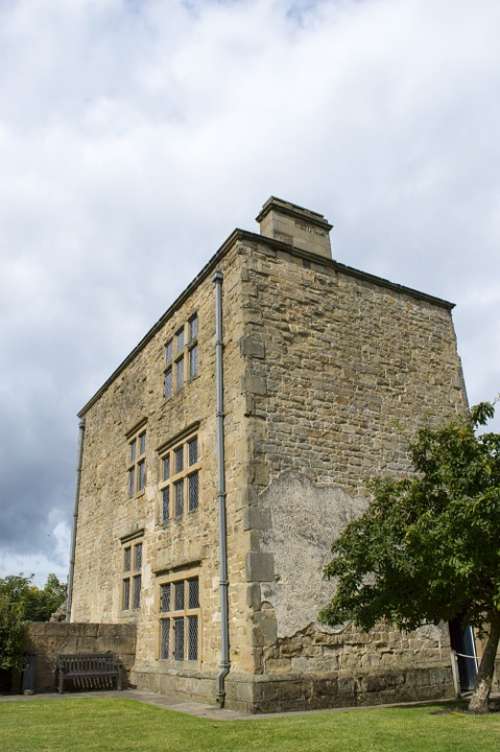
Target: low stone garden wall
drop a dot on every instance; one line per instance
(47, 640)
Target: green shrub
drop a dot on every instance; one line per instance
(21, 601)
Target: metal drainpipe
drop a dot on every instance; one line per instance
(69, 596)
(224, 664)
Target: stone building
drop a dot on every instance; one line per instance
(327, 373)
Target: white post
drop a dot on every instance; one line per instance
(455, 672)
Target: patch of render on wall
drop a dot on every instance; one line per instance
(305, 520)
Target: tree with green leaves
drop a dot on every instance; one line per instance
(428, 547)
(11, 630)
(22, 601)
(43, 602)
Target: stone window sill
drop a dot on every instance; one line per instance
(137, 495)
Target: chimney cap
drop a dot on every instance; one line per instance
(293, 210)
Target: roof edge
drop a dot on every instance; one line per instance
(239, 234)
(350, 270)
(214, 260)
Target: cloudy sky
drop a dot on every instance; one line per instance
(135, 135)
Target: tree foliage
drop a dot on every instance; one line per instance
(428, 547)
(22, 601)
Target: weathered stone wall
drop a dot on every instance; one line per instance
(273, 693)
(106, 513)
(47, 640)
(327, 376)
(341, 372)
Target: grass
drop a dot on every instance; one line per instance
(109, 725)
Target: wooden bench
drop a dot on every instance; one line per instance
(89, 671)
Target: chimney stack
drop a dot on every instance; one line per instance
(299, 227)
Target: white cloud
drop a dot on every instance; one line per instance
(134, 136)
(42, 563)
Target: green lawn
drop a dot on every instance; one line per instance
(106, 725)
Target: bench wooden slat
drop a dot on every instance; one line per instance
(88, 670)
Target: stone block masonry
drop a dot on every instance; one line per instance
(47, 640)
(351, 370)
(328, 373)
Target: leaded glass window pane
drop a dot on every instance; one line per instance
(141, 475)
(165, 467)
(179, 595)
(179, 340)
(142, 443)
(193, 362)
(132, 451)
(179, 638)
(131, 480)
(137, 591)
(168, 352)
(179, 459)
(179, 498)
(165, 505)
(192, 638)
(164, 638)
(193, 451)
(126, 559)
(168, 383)
(193, 327)
(138, 556)
(185, 627)
(193, 492)
(179, 373)
(165, 597)
(126, 594)
(193, 593)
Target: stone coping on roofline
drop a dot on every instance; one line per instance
(239, 234)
